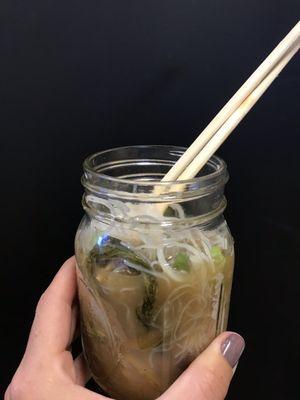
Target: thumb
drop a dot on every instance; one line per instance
(209, 376)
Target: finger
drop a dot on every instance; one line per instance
(209, 376)
(81, 393)
(82, 371)
(75, 328)
(53, 325)
(7, 394)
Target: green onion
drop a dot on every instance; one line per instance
(182, 262)
(217, 254)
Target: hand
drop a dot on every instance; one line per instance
(48, 371)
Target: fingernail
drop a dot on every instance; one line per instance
(232, 348)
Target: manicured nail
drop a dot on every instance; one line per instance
(232, 348)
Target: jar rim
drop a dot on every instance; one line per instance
(145, 163)
(219, 163)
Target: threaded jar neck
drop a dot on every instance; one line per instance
(131, 177)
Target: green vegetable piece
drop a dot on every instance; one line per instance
(182, 262)
(145, 312)
(217, 254)
(114, 249)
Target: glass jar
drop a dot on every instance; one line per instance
(154, 266)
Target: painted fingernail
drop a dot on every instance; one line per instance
(232, 348)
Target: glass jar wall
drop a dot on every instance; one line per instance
(154, 266)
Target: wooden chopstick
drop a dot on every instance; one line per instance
(219, 137)
(282, 51)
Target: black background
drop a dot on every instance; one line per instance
(81, 76)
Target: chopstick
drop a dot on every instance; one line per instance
(219, 137)
(268, 70)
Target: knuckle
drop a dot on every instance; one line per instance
(41, 303)
(18, 390)
(7, 394)
(212, 384)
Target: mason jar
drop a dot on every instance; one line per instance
(154, 266)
